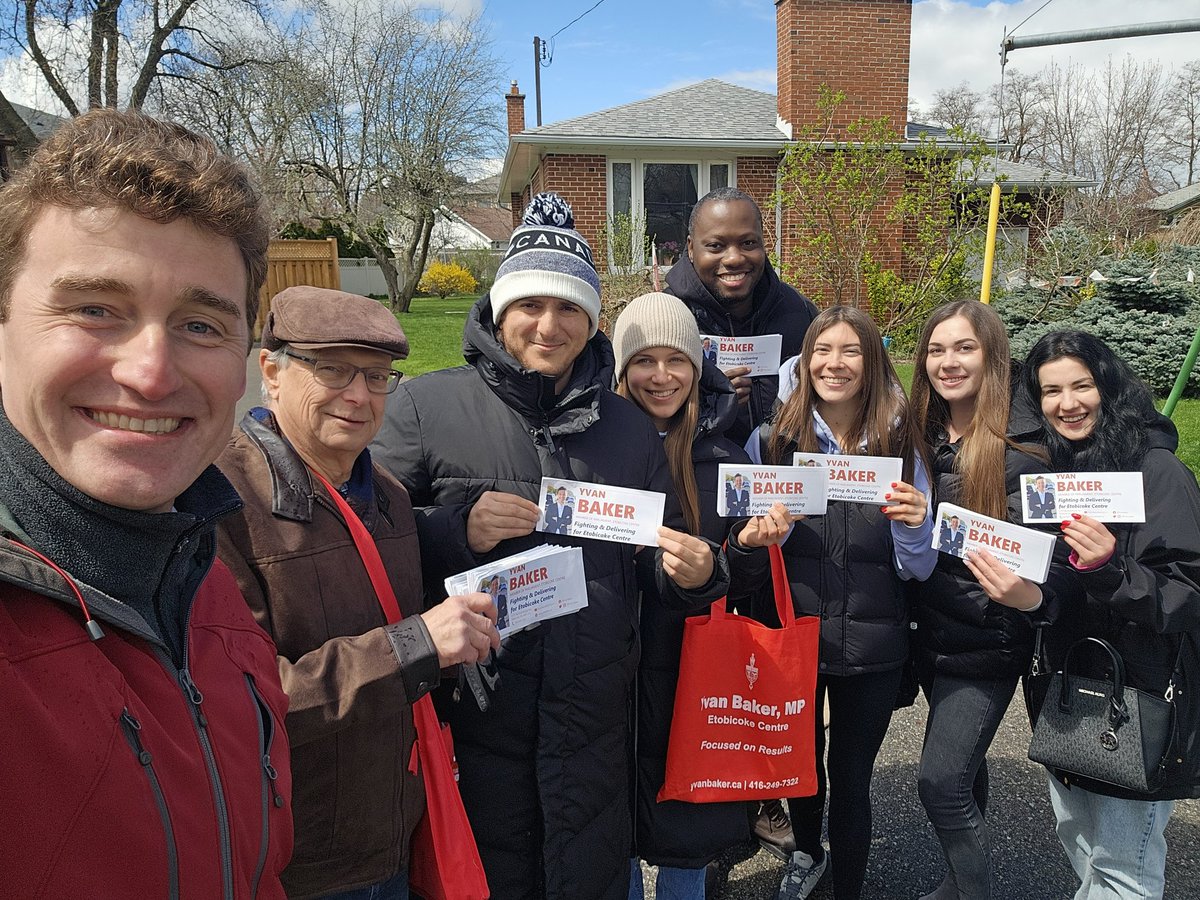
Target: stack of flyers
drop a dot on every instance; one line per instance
(538, 584)
(1024, 551)
(760, 352)
(751, 490)
(856, 479)
(603, 512)
(1105, 496)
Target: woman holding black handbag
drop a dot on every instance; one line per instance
(1138, 589)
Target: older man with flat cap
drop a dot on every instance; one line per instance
(351, 677)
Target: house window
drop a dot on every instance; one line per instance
(668, 195)
(658, 196)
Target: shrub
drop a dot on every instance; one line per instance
(445, 279)
(482, 263)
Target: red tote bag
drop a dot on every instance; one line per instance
(444, 863)
(743, 725)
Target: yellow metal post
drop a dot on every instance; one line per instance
(989, 252)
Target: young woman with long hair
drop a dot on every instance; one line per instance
(661, 369)
(848, 567)
(1138, 587)
(974, 635)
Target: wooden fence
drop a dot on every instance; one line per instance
(297, 262)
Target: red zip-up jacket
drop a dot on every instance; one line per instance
(124, 776)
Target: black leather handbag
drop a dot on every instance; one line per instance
(1101, 728)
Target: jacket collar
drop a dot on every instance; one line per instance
(292, 486)
(711, 316)
(530, 393)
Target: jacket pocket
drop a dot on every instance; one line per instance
(132, 729)
(270, 791)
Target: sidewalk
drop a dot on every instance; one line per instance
(906, 861)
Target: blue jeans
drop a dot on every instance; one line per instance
(1115, 846)
(671, 884)
(394, 888)
(964, 714)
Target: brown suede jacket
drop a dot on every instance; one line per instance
(350, 677)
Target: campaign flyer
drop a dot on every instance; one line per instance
(750, 490)
(760, 352)
(958, 531)
(542, 583)
(1105, 496)
(603, 512)
(856, 479)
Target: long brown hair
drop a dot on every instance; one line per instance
(883, 421)
(980, 459)
(681, 432)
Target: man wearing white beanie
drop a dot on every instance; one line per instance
(544, 771)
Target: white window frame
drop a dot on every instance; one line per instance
(637, 206)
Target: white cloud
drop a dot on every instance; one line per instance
(953, 41)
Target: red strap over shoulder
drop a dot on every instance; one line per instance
(367, 551)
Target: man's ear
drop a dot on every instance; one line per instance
(689, 248)
(270, 373)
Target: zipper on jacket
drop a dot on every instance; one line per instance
(132, 729)
(270, 794)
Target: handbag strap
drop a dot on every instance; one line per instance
(781, 586)
(367, 551)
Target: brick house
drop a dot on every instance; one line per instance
(654, 158)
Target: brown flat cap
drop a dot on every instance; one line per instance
(310, 317)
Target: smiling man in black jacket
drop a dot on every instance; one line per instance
(544, 771)
(729, 285)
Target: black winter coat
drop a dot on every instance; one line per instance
(841, 567)
(960, 631)
(674, 833)
(778, 309)
(544, 772)
(1146, 602)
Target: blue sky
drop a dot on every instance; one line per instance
(626, 50)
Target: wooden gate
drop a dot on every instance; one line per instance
(297, 262)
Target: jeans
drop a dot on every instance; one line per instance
(394, 888)
(1115, 846)
(671, 884)
(860, 710)
(964, 714)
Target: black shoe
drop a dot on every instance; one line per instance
(773, 829)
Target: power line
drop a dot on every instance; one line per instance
(1031, 15)
(576, 19)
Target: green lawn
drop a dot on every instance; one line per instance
(434, 328)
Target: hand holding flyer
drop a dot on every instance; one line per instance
(749, 490)
(759, 352)
(1105, 496)
(1026, 552)
(529, 587)
(602, 512)
(856, 479)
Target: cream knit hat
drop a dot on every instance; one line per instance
(655, 320)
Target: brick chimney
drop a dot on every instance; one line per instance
(516, 109)
(859, 47)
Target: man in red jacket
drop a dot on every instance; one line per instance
(144, 753)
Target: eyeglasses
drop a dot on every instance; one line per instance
(338, 375)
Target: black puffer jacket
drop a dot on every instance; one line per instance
(1145, 601)
(544, 771)
(960, 631)
(841, 567)
(673, 833)
(778, 309)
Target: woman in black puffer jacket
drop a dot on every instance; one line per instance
(1138, 587)
(660, 368)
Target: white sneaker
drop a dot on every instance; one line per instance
(801, 875)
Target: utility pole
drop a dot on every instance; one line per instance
(537, 75)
